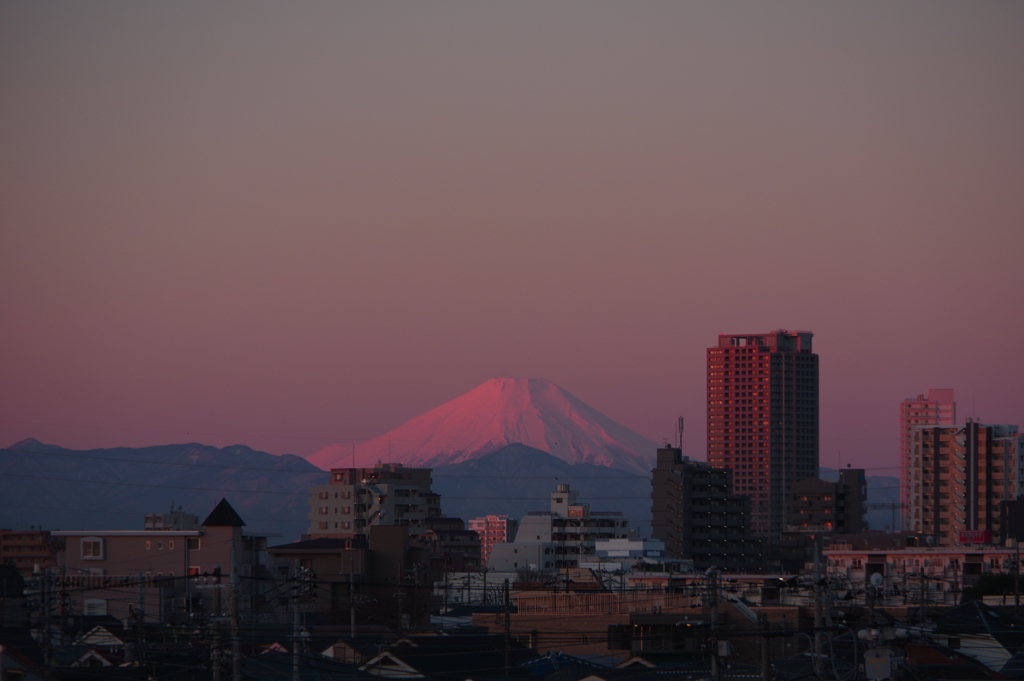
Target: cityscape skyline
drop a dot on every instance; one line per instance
(289, 227)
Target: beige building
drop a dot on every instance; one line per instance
(937, 408)
(958, 475)
(164, 575)
(356, 498)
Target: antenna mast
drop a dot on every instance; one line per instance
(681, 432)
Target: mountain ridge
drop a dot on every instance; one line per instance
(500, 412)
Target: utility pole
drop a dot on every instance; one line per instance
(766, 658)
(508, 627)
(352, 598)
(215, 656)
(817, 607)
(236, 650)
(296, 587)
(713, 604)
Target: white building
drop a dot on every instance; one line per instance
(559, 538)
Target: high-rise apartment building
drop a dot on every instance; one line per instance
(958, 477)
(763, 419)
(387, 494)
(937, 408)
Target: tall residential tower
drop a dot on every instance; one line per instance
(763, 419)
(935, 409)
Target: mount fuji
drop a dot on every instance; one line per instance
(501, 412)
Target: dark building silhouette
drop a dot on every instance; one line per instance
(698, 516)
(819, 510)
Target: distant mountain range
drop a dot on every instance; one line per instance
(503, 411)
(56, 488)
(518, 479)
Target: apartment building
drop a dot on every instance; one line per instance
(559, 538)
(27, 550)
(698, 515)
(387, 494)
(958, 477)
(493, 529)
(165, 575)
(936, 408)
(762, 396)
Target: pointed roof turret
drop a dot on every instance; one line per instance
(223, 515)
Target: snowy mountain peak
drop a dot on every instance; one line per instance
(499, 412)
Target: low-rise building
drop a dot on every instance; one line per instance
(27, 550)
(382, 579)
(918, 575)
(493, 529)
(166, 576)
(357, 498)
(559, 538)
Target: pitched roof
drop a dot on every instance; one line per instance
(223, 516)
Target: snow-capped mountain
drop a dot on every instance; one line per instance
(503, 411)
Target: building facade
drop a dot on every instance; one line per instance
(698, 516)
(559, 538)
(356, 498)
(493, 529)
(763, 419)
(27, 550)
(829, 507)
(936, 408)
(959, 475)
(167, 576)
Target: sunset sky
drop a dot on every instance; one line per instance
(295, 224)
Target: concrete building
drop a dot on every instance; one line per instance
(356, 498)
(819, 510)
(937, 408)
(380, 579)
(27, 549)
(763, 419)
(827, 507)
(958, 477)
(922, 575)
(493, 529)
(166, 576)
(448, 539)
(558, 538)
(698, 516)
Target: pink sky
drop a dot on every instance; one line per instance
(293, 225)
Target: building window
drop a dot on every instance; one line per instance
(323, 510)
(170, 545)
(194, 543)
(346, 525)
(323, 526)
(149, 545)
(92, 548)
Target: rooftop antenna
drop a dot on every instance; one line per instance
(681, 428)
